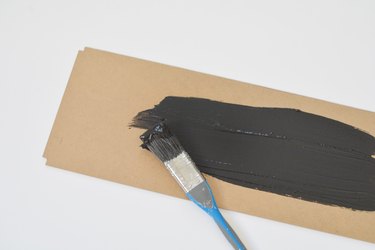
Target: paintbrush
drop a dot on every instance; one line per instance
(168, 149)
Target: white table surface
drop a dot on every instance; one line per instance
(323, 49)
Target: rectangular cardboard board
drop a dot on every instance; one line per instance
(105, 91)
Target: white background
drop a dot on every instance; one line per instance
(323, 49)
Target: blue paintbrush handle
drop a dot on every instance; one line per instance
(227, 230)
(202, 196)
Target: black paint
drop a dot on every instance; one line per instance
(284, 151)
(159, 140)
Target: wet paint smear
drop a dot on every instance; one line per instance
(279, 150)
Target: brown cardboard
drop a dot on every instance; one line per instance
(91, 135)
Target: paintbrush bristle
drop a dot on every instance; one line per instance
(161, 142)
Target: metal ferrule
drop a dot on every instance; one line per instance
(184, 171)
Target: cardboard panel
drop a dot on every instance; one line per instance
(105, 91)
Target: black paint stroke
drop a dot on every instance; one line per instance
(279, 150)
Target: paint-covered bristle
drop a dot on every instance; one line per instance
(161, 142)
